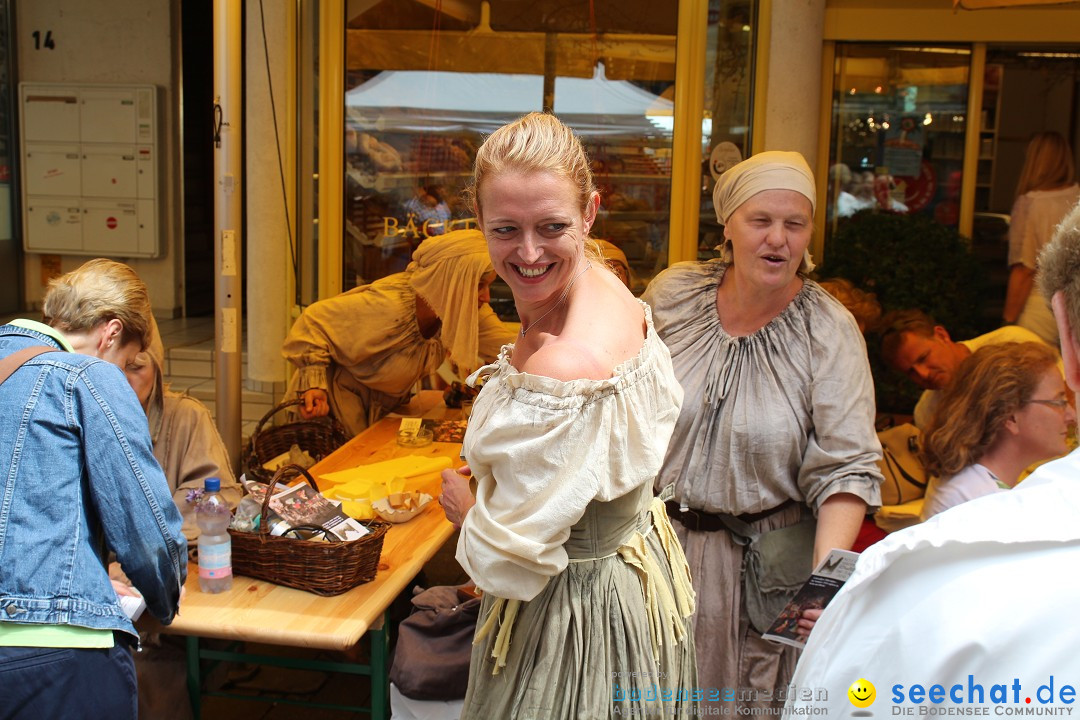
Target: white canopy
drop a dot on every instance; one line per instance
(419, 100)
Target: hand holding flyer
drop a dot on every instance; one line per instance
(827, 579)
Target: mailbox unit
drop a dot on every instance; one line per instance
(91, 172)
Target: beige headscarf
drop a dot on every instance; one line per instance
(613, 254)
(446, 271)
(771, 170)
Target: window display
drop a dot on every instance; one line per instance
(899, 118)
(421, 95)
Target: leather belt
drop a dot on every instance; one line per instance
(708, 522)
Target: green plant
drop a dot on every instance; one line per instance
(908, 261)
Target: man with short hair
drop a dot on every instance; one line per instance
(913, 344)
(990, 583)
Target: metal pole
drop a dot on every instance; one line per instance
(228, 229)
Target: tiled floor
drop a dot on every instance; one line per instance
(189, 367)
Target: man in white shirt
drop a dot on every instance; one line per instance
(914, 345)
(975, 607)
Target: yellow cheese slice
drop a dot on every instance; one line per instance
(358, 509)
(406, 467)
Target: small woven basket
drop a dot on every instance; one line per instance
(323, 568)
(318, 437)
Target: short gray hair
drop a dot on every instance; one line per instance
(1059, 268)
(98, 291)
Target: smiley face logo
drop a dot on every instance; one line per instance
(862, 693)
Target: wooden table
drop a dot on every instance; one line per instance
(262, 612)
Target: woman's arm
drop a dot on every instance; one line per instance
(457, 497)
(129, 491)
(339, 330)
(1021, 280)
(839, 520)
(842, 450)
(1021, 259)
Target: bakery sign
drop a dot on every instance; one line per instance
(413, 228)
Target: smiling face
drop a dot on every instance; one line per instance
(769, 234)
(535, 230)
(862, 693)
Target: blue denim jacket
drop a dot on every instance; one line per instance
(78, 478)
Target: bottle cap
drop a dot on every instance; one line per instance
(212, 484)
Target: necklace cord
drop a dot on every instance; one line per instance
(562, 297)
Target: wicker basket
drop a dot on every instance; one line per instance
(323, 568)
(319, 437)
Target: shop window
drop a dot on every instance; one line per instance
(1029, 89)
(729, 83)
(898, 123)
(425, 82)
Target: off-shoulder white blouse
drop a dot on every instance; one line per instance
(543, 449)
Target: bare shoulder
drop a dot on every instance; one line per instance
(567, 359)
(605, 327)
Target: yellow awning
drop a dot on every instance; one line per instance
(986, 4)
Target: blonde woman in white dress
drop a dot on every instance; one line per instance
(587, 595)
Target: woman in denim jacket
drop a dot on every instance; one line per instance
(79, 480)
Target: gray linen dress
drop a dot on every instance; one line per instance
(588, 601)
(784, 413)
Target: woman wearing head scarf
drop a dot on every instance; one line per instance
(615, 259)
(358, 355)
(778, 417)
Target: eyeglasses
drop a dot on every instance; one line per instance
(1059, 403)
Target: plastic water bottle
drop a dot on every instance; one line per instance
(215, 545)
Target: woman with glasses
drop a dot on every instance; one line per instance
(1005, 409)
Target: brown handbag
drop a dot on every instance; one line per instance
(905, 478)
(434, 644)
